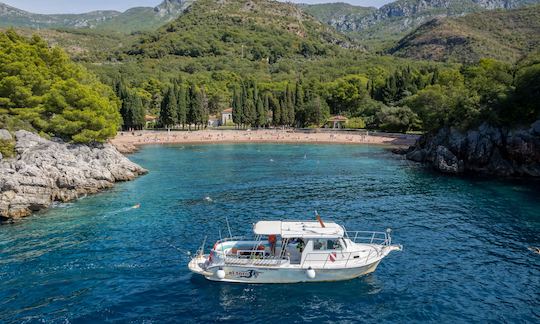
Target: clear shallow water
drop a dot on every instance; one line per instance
(97, 259)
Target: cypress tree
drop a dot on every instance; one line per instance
(299, 95)
(192, 115)
(237, 107)
(274, 106)
(250, 116)
(126, 110)
(203, 107)
(245, 102)
(261, 114)
(138, 112)
(289, 97)
(283, 116)
(181, 113)
(167, 114)
(255, 92)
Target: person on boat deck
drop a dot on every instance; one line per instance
(272, 241)
(334, 245)
(300, 244)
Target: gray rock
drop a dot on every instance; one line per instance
(417, 155)
(486, 149)
(46, 171)
(5, 135)
(446, 161)
(535, 128)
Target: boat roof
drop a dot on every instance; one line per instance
(303, 229)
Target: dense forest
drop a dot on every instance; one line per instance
(271, 63)
(43, 91)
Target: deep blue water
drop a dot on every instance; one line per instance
(465, 255)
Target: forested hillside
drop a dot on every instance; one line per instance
(378, 28)
(504, 35)
(43, 91)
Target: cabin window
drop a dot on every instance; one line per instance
(326, 245)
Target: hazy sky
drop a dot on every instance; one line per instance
(77, 6)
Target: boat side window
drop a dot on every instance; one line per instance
(334, 245)
(319, 244)
(326, 244)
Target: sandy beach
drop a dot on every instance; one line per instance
(129, 141)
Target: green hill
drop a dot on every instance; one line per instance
(255, 29)
(378, 28)
(503, 35)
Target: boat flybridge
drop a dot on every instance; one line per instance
(294, 251)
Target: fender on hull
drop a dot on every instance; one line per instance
(286, 275)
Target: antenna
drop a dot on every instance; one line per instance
(319, 219)
(228, 226)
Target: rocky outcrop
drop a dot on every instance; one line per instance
(402, 15)
(485, 150)
(45, 171)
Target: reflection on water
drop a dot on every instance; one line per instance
(465, 257)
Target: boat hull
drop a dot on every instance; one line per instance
(244, 274)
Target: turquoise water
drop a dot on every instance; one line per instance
(465, 241)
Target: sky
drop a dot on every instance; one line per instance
(79, 6)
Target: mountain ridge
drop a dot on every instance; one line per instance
(505, 35)
(130, 20)
(395, 19)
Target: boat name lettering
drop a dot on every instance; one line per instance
(245, 274)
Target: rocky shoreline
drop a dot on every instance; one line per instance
(45, 171)
(486, 150)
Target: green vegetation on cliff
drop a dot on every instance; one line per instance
(41, 89)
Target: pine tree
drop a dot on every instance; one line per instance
(167, 114)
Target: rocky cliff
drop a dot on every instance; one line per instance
(485, 150)
(44, 171)
(399, 17)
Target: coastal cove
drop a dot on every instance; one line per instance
(465, 240)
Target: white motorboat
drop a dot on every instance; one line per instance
(294, 251)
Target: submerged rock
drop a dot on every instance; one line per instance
(45, 171)
(485, 150)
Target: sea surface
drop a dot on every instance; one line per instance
(465, 257)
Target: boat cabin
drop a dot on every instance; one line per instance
(277, 242)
